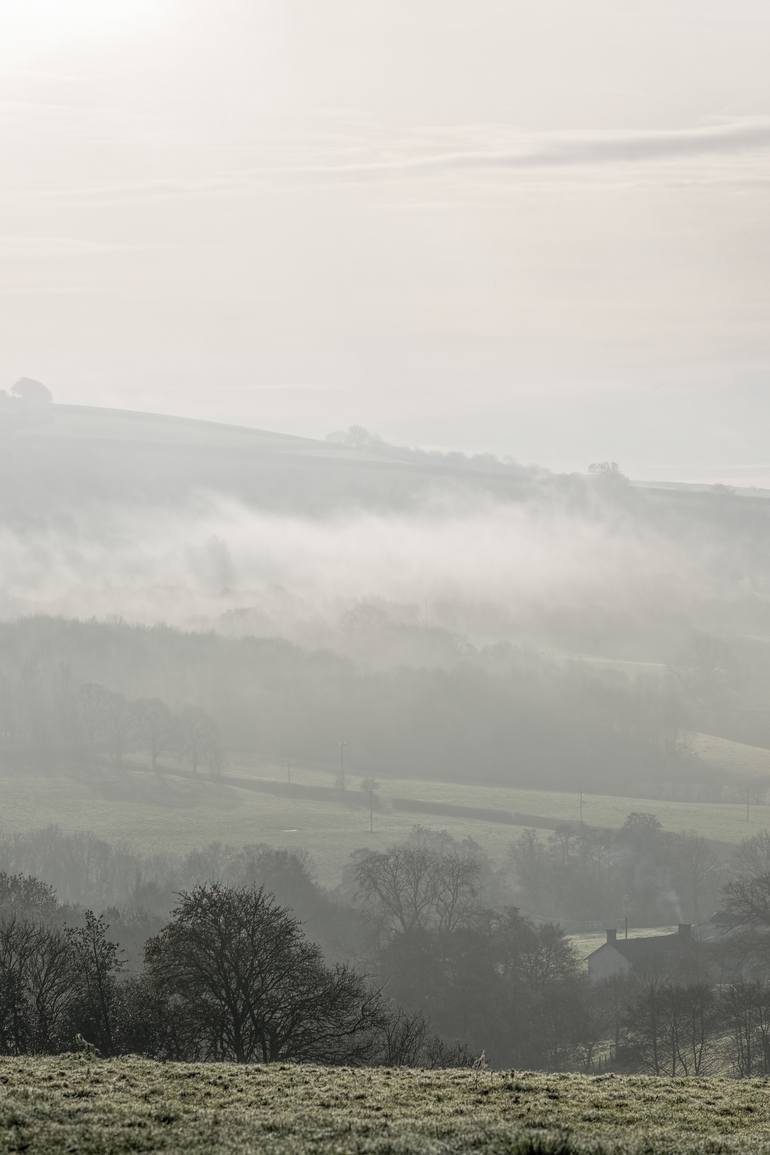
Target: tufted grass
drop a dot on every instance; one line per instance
(75, 1104)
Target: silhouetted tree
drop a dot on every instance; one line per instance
(746, 1010)
(97, 966)
(254, 987)
(671, 1027)
(420, 883)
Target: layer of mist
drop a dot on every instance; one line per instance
(486, 570)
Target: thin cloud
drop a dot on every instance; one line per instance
(477, 149)
(579, 149)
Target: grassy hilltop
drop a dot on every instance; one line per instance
(71, 455)
(68, 1103)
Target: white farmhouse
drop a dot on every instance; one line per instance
(664, 955)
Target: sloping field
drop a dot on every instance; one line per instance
(155, 814)
(732, 757)
(720, 821)
(69, 1104)
(167, 812)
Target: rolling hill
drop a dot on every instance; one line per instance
(61, 457)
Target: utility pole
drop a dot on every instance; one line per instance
(341, 780)
(580, 806)
(748, 802)
(369, 786)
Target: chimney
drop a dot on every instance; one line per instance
(685, 929)
(612, 935)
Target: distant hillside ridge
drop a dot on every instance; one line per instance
(56, 458)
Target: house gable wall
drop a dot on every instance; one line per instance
(606, 963)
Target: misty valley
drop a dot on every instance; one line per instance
(384, 577)
(341, 753)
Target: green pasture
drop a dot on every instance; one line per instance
(166, 812)
(721, 821)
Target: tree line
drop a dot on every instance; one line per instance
(421, 955)
(229, 973)
(587, 874)
(51, 721)
(229, 977)
(69, 690)
(669, 1024)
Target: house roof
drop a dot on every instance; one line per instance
(653, 950)
(656, 948)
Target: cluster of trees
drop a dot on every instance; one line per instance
(672, 1025)
(27, 403)
(487, 975)
(209, 959)
(137, 892)
(228, 973)
(585, 874)
(48, 718)
(579, 875)
(70, 689)
(109, 721)
(230, 976)
(358, 437)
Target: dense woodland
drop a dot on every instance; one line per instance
(74, 693)
(77, 691)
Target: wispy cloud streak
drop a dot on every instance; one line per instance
(578, 149)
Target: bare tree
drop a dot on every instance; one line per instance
(254, 987)
(16, 947)
(748, 899)
(199, 740)
(51, 977)
(746, 1008)
(24, 897)
(154, 726)
(404, 1038)
(671, 1026)
(418, 885)
(747, 894)
(97, 965)
(693, 862)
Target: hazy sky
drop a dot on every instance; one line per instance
(540, 228)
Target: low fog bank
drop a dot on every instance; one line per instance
(483, 570)
(617, 573)
(575, 629)
(381, 553)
